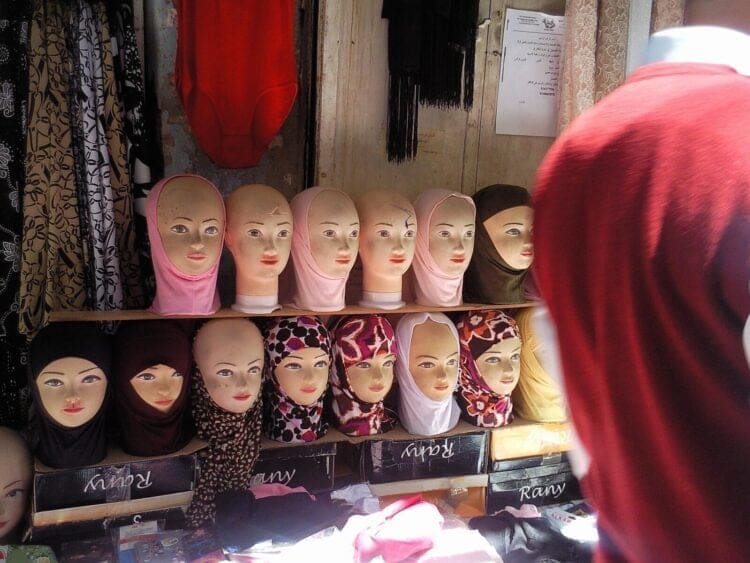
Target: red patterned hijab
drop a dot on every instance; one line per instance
(356, 339)
(477, 332)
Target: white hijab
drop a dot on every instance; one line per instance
(419, 414)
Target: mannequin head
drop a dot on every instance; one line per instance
(451, 235)
(15, 482)
(434, 359)
(259, 236)
(229, 356)
(491, 349)
(364, 350)
(333, 230)
(71, 390)
(303, 374)
(387, 238)
(158, 386)
(510, 231)
(190, 220)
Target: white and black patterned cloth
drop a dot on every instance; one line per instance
(14, 31)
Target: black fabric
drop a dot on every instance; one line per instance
(242, 520)
(54, 444)
(431, 48)
(14, 33)
(529, 540)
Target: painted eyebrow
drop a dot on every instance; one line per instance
(284, 223)
(87, 369)
(506, 224)
(469, 225)
(185, 219)
(253, 362)
(209, 219)
(254, 223)
(329, 223)
(13, 483)
(444, 224)
(427, 356)
(225, 364)
(355, 223)
(453, 354)
(386, 224)
(51, 373)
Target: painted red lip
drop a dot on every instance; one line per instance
(343, 260)
(164, 401)
(3, 523)
(73, 410)
(270, 261)
(396, 260)
(309, 389)
(507, 381)
(458, 259)
(242, 397)
(198, 257)
(441, 387)
(377, 388)
(527, 253)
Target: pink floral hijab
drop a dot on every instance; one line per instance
(356, 339)
(477, 332)
(283, 419)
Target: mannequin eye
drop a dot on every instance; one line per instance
(388, 363)
(14, 493)
(146, 376)
(224, 373)
(91, 379)
(363, 365)
(444, 234)
(292, 365)
(320, 364)
(452, 362)
(177, 374)
(513, 232)
(54, 383)
(179, 229)
(384, 234)
(254, 233)
(469, 234)
(283, 234)
(254, 370)
(409, 234)
(212, 231)
(426, 365)
(354, 233)
(492, 360)
(516, 357)
(330, 233)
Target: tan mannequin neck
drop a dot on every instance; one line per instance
(375, 283)
(256, 286)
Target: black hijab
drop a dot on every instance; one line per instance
(489, 278)
(145, 430)
(56, 445)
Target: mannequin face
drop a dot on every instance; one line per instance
(388, 235)
(259, 230)
(371, 379)
(333, 227)
(229, 355)
(190, 219)
(72, 390)
(510, 231)
(158, 386)
(303, 375)
(452, 235)
(433, 360)
(15, 481)
(500, 365)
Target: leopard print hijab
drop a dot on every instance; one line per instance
(284, 420)
(233, 446)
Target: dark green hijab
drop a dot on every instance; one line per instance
(489, 278)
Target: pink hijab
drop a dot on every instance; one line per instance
(178, 293)
(433, 287)
(314, 290)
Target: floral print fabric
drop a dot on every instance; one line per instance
(356, 339)
(284, 420)
(478, 331)
(14, 34)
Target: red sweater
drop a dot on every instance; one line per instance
(642, 235)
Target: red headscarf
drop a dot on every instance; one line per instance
(642, 233)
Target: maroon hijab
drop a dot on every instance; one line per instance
(140, 345)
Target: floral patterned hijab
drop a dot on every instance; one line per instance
(284, 420)
(477, 332)
(356, 339)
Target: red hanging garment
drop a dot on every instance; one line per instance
(236, 75)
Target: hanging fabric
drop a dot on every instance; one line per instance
(431, 47)
(14, 77)
(52, 260)
(141, 129)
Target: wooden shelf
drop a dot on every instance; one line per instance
(140, 314)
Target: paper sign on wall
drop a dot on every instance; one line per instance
(529, 74)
